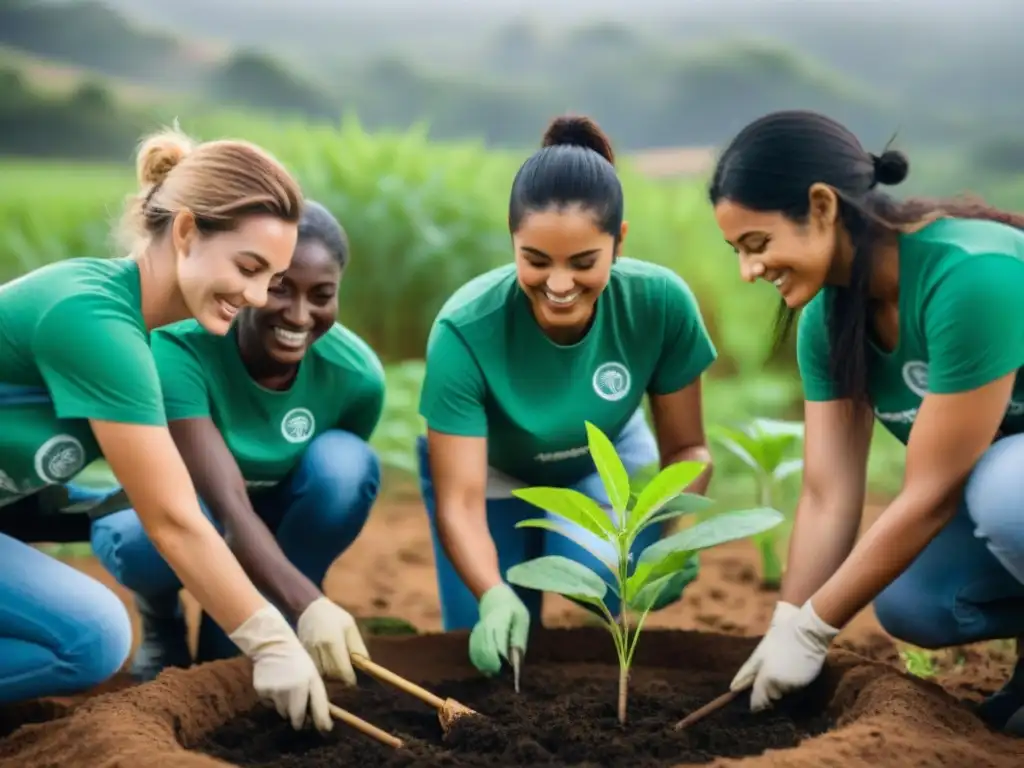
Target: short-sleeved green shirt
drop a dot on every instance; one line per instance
(491, 371)
(339, 385)
(961, 323)
(73, 347)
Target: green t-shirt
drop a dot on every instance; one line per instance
(491, 370)
(73, 347)
(339, 385)
(961, 323)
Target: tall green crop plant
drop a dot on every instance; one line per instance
(767, 447)
(659, 567)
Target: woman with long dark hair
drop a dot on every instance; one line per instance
(912, 315)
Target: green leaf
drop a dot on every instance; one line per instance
(787, 468)
(728, 526)
(553, 527)
(554, 573)
(650, 596)
(683, 504)
(777, 427)
(611, 469)
(667, 485)
(571, 505)
(738, 443)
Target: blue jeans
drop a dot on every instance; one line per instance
(315, 514)
(60, 631)
(637, 448)
(967, 586)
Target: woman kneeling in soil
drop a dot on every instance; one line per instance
(272, 420)
(912, 315)
(520, 357)
(209, 229)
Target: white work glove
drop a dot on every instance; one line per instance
(283, 671)
(789, 657)
(329, 634)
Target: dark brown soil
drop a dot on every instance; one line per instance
(566, 715)
(882, 717)
(208, 716)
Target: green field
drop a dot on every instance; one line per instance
(423, 218)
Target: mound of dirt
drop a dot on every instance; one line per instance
(859, 713)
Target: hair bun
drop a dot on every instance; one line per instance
(579, 131)
(159, 153)
(891, 167)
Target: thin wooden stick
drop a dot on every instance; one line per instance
(361, 725)
(707, 709)
(401, 683)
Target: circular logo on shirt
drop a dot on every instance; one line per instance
(297, 425)
(59, 459)
(611, 381)
(915, 374)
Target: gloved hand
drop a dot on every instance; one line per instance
(283, 671)
(789, 657)
(329, 633)
(504, 623)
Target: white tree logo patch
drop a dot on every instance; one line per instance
(915, 374)
(297, 425)
(59, 459)
(611, 381)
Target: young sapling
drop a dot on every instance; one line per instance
(766, 446)
(662, 569)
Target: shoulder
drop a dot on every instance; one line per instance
(810, 325)
(84, 284)
(964, 246)
(343, 349)
(480, 299)
(79, 297)
(186, 335)
(647, 287)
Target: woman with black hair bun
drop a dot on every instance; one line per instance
(912, 316)
(520, 357)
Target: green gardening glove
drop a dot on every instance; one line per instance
(504, 624)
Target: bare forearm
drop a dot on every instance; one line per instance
(467, 541)
(270, 569)
(207, 569)
(823, 535)
(885, 551)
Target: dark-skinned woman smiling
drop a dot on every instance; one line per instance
(273, 421)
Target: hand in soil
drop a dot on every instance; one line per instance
(329, 633)
(789, 657)
(283, 671)
(504, 622)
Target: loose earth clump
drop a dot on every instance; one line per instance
(859, 712)
(565, 715)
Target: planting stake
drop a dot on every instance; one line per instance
(361, 725)
(517, 661)
(707, 709)
(448, 710)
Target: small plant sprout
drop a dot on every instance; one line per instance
(766, 446)
(608, 532)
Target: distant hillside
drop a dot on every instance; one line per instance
(142, 64)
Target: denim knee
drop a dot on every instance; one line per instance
(344, 468)
(994, 495)
(124, 548)
(102, 642)
(915, 614)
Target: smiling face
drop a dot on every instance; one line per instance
(563, 261)
(300, 309)
(222, 272)
(797, 258)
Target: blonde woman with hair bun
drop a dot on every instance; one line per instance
(211, 226)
